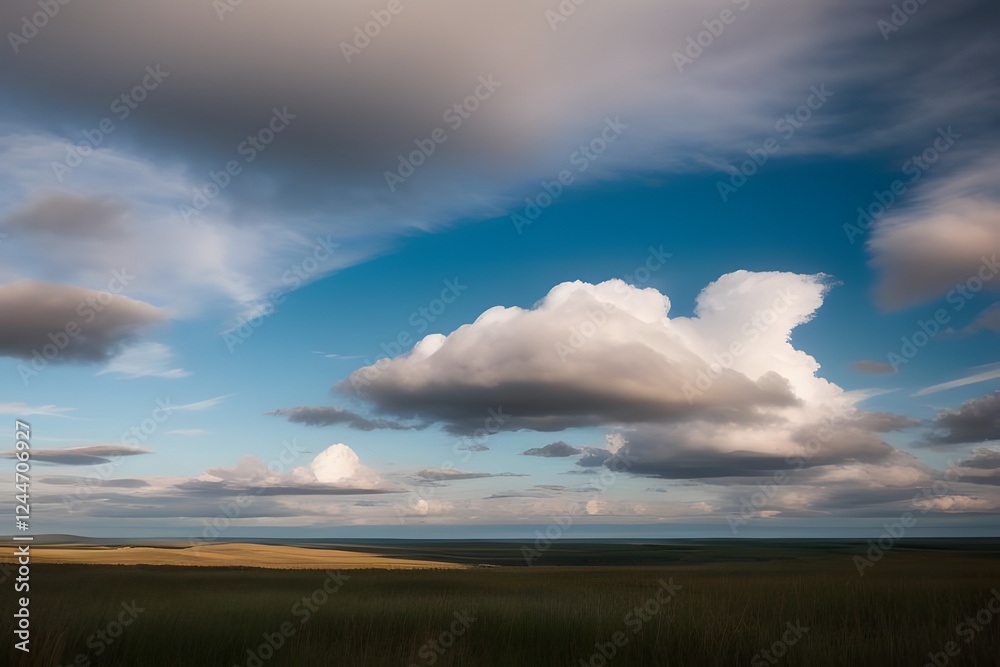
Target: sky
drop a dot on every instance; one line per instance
(450, 269)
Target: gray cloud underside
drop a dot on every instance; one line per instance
(332, 416)
(355, 118)
(56, 214)
(557, 449)
(81, 456)
(208, 488)
(454, 475)
(88, 482)
(43, 310)
(976, 420)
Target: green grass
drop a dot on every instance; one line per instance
(906, 606)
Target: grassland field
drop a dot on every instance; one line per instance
(686, 603)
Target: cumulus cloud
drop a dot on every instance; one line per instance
(330, 416)
(589, 355)
(82, 456)
(957, 503)
(91, 324)
(720, 395)
(337, 470)
(974, 421)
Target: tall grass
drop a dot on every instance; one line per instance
(725, 614)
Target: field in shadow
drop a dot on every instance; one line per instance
(805, 604)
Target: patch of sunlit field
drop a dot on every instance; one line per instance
(806, 612)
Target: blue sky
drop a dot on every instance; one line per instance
(246, 267)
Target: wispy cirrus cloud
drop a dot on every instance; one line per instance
(25, 410)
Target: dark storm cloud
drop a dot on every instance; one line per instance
(982, 467)
(557, 449)
(983, 459)
(331, 416)
(976, 420)
(91, 324)
(672, 453)
(594, 457)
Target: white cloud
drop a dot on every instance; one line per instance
(976, 378)
(338, 465)
(611, 354)
(144, 360)
(25, 410)
(198, 406)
